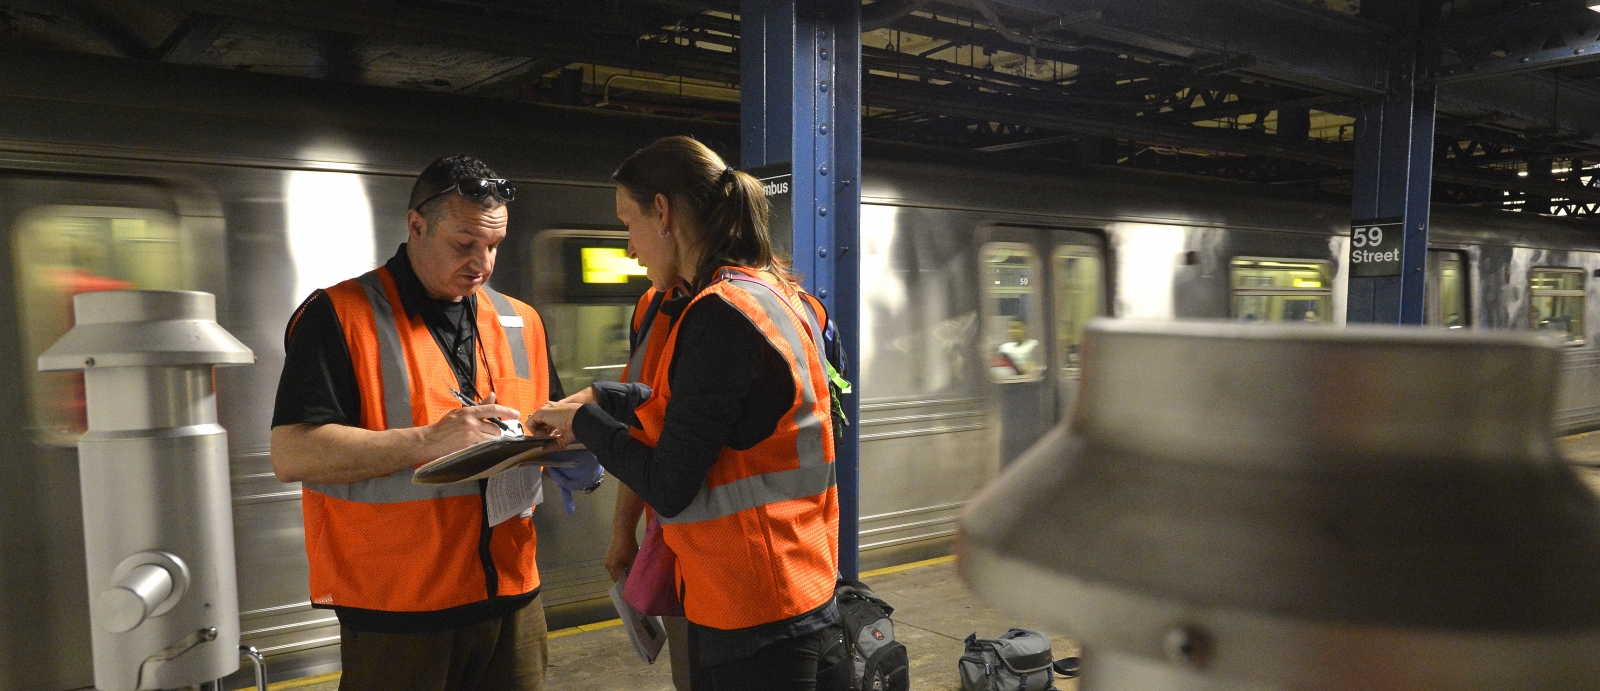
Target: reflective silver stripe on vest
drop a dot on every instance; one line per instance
(397, 486)
(815, 474)
(391, 357)
(519, 349)
(392, 489)
(636, 360)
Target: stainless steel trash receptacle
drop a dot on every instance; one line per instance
(157, 509)
(1293, 508)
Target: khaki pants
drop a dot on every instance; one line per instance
(505, 654)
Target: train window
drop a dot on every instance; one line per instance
(60, 251)
(587, 317)
(1282, 290)
(1446, 299)
(1011, 291)
(1078, 276)
(1557, 296)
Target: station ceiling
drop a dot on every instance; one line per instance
(1262, 90)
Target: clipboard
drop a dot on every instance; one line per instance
(487, 458)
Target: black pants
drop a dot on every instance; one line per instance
(788, 665)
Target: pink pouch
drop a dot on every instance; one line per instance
(652, 586)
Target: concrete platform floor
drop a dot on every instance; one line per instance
(934, 611)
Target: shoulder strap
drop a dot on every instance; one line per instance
(643, 332)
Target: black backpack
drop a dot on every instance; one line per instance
(861, 654)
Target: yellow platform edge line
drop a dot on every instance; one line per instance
(307, 681)
(907, 567)
(303, 681)
(586, 627)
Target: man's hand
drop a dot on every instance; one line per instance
(463, 427)
(341, 454)
(624, 549)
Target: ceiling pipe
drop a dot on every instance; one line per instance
(1034, 40)
(882, 13)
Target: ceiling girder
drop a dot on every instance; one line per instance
(900, 94)
(615, 46)
(1488, 48)
(1298, 44)
(1291, 41)
(1541, 101)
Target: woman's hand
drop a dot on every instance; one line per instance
(582, 397)
(624, 549)
(555, 420)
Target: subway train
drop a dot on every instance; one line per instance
(978, 275)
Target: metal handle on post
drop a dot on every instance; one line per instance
(258, 664)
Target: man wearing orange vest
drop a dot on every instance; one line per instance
(433, 590)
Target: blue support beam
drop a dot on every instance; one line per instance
(800, 83)
(1392, 188)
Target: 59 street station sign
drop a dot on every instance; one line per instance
(1375, 247)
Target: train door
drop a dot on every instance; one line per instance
(1445, 293)
(66, 236)
(1040, 286)
(585, 287)
(1077, 294)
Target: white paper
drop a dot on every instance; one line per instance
(513, 491)
(513, 321)
(647, 634)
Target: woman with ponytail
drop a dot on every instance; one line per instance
(731, 445)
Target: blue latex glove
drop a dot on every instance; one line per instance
(584, 477)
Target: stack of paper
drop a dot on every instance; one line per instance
(646, 633)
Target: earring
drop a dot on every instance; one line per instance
(665, 231)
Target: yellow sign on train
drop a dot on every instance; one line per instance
(608, 265)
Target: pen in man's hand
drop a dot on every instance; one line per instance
(470, 403)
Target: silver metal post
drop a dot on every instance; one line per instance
(157, 506)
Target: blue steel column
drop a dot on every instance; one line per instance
(800, 83)
(1394, 179)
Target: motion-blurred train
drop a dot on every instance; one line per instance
(978, 277)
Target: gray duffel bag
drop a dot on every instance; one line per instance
(1019, 660)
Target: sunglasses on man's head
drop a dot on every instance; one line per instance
(475, 189)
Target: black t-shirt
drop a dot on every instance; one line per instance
(318, 387)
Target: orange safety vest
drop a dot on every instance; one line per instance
(649, 338)
(760, 542)
(386, 543)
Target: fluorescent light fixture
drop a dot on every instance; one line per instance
(1594, 5)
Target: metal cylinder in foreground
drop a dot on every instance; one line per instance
(157, 510)
(1256, 507)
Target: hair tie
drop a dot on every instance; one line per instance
(726, 177)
